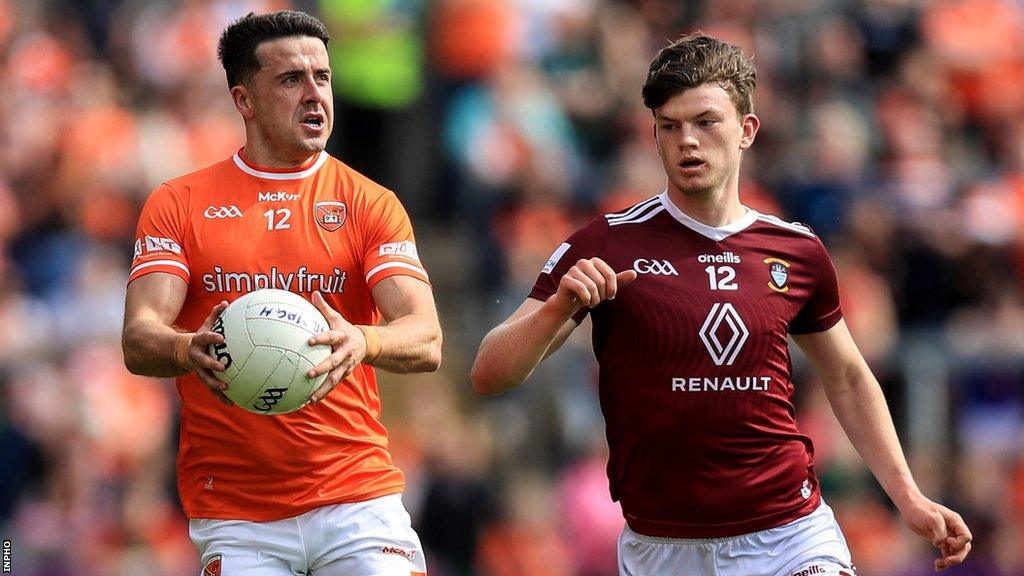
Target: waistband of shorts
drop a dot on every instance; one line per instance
(822, 506)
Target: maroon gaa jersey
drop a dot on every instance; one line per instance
(695, 368)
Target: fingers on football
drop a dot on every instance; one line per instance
(214, 314)
(332, 315)
(331, 382)
(340, 357)
(204, 338)
(209, 379)
(332, 338)
(199, 351)
(320, 392)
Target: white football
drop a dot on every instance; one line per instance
(266, 350)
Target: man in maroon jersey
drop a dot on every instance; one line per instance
(691, 336)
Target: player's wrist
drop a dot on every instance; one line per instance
(905, 494)
(372, 336)
(181, 346)
(563, 305)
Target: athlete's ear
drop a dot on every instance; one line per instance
(750, 126)
(242, 98)
(654, 132)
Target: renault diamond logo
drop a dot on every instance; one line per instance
(723, 314)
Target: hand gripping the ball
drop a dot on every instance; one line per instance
(196, 356)
(348, 348)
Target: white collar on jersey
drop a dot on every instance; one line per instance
(281, 175)
(717, 234)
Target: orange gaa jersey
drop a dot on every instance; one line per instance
(235, 227)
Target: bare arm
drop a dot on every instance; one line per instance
(151, 304)
(859, 405)
(149, 340)
(409, 341)
(513, 349)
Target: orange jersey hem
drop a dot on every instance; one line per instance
(283, 512)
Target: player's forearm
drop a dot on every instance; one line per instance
(861, 409)
(148, 347)
(512, 350)
(411, 343)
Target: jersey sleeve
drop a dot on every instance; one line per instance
(389, 243)
(159, 237)
(822, 310)
(587, 242)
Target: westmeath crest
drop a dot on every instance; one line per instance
(330, 215)
(779, 272)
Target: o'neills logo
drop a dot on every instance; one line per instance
(726, 258)
(410, 554)
(330, 215)
(811, 571)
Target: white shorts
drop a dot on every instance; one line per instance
(372, 538)
(810, 546)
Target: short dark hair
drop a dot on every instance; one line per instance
(694, 60)
(237, 47)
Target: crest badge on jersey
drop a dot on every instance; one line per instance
(212, 566)
(779, 271)
(330, 214)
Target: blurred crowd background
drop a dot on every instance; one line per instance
(894, 127)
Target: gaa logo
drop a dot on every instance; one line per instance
(656, 267)
(222, 212)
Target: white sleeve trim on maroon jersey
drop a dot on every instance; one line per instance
(280, 175)
(160, 263)
(627, 215)
(787, 225)
(387, 265)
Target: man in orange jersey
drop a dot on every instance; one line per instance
(314, 491)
